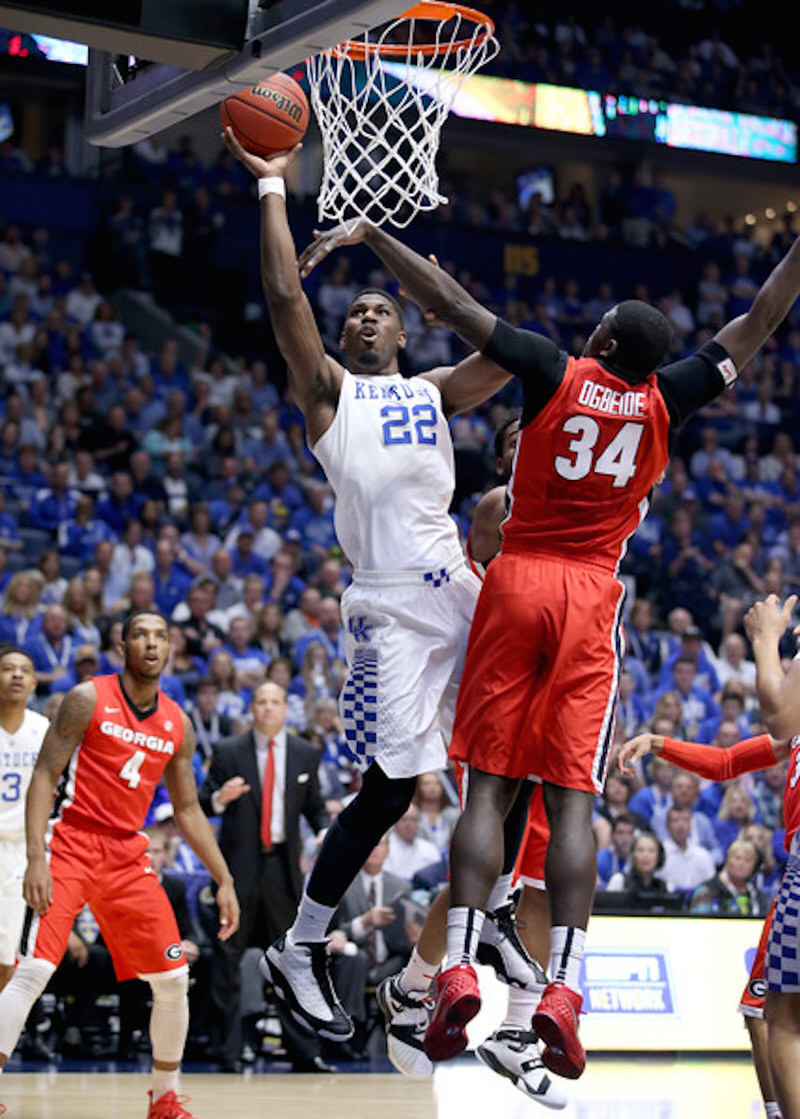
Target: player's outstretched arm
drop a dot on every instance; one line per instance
(196, 830)
(778, 691)
(314, 377)
(745, 335)
(714, 762)
(59, 745)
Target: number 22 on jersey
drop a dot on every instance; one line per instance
(617, 459)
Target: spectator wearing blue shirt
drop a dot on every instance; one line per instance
(315, 521)
(640, 640)
(170, 580)
(26, 478)
(685, 567)
(697, 703)
(249, 660)
(728, 527)
(728, 734)
(121, 504)
(617, 856)
(285, 587)
(631, 711)
(732, 710)
(55, 503)
(5, 574)
(80, 535)
(53, 649)
(329, 633)
(691, 646)
(9, 529)
(279, 488)
(270, 445)
(735, 812)
(244, 559)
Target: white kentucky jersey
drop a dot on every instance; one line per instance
(389, 457)
(18, 754)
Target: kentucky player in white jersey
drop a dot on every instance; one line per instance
(21, 734)
(385, 445)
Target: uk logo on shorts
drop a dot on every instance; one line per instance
(174, 952)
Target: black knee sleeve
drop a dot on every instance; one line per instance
(379, 803)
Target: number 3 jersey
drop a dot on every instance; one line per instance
(18, 754)
(389, 457)
(113, 773)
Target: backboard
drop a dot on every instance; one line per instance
(200, 50)
(278, 37)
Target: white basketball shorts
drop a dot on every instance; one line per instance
(12, 904)
(406, 637)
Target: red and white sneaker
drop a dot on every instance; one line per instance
(556, 1023)
(168, 1106)
(458, 1000)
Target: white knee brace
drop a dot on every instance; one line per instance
(169, 1020)
(18, 996)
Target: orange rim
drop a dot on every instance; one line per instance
(428, 9)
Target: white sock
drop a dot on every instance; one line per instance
(521, 1007)
(417, 975)
(500, 892)
(464, 926)
(566, 952)
(771, 1110)
(164, 1080)
(311, 922)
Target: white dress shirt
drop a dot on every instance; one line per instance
(278, 823)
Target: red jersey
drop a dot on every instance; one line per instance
(791, 793)
(585, 465)
(113, 773)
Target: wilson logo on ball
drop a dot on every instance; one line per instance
(280, 100)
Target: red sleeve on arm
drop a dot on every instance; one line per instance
(720, 765)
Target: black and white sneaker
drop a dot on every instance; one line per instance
(501, 948)
(300, 976)
(515, 1055)
(407, 1017)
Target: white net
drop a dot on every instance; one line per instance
(381, 102)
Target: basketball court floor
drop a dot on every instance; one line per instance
(636, 1087)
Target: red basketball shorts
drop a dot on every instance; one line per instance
(113, 876)
(539, 689)
(751, 1004)
(529, 868)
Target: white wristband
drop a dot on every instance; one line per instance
(272, 185)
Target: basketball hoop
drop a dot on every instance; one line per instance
(380, 103)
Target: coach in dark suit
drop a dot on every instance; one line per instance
(260, 838)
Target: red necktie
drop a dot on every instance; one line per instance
(266, 796)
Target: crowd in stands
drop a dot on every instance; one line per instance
(129, 479)
(688, 52)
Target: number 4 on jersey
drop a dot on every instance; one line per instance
(618, 460)
(130, 771)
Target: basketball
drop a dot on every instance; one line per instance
(269, 117)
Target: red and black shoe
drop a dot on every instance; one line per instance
(458, 1000)
(556, 1023)
(168, 1106)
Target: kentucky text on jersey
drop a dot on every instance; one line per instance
(374, 390)
(17, 758)
(136, 738)
(601, 398)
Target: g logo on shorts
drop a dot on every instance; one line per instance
(757, 988)
(174, 952)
